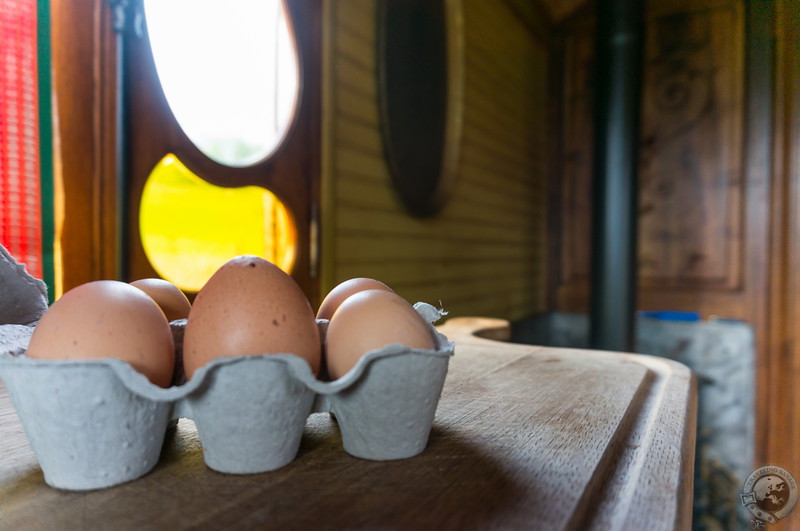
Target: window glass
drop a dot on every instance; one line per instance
(229, 72)
(189, 227)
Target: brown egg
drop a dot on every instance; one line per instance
(370, 320)
(172, 301)
(337, 295)
(107, 319)
(250, 307)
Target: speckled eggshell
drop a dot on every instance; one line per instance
(172, 301)
(107, 319)
(337, 295)
(250, 307)
(370, 320)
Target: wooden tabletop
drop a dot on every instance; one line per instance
(525, 437)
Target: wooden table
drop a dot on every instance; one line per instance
(525, 437)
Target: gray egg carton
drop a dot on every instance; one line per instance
(98, 423)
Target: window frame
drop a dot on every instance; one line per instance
(85, 65)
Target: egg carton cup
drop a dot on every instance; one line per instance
(97, 423)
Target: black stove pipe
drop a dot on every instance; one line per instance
(618, 82)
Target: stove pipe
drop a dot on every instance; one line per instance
(618, 82)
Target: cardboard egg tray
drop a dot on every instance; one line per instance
(98, 423)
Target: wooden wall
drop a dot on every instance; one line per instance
(484, 253)
(718, 183)
(693, 181)
(780, 366)
(83, 63)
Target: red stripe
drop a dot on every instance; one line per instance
(35, 232)
(4, 207)
(20, 111)
(20, 208)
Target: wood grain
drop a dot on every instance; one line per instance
(497, 209)
(692, 181)
(781, 395)
(729, 249)
(83, 107)
(524, 437)
(292, 172)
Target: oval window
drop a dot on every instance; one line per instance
(189, 227)
(229, 71)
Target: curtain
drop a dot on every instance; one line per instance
(21, 210)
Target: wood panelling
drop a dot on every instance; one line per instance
(781, 364)
(575, 165)
(558, 10)
(719, 183)
(691, 189)
(483, 254)
(83, 107)
(291, 172)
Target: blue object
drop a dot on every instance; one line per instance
(688, 317)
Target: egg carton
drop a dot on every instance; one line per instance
(97, 423)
